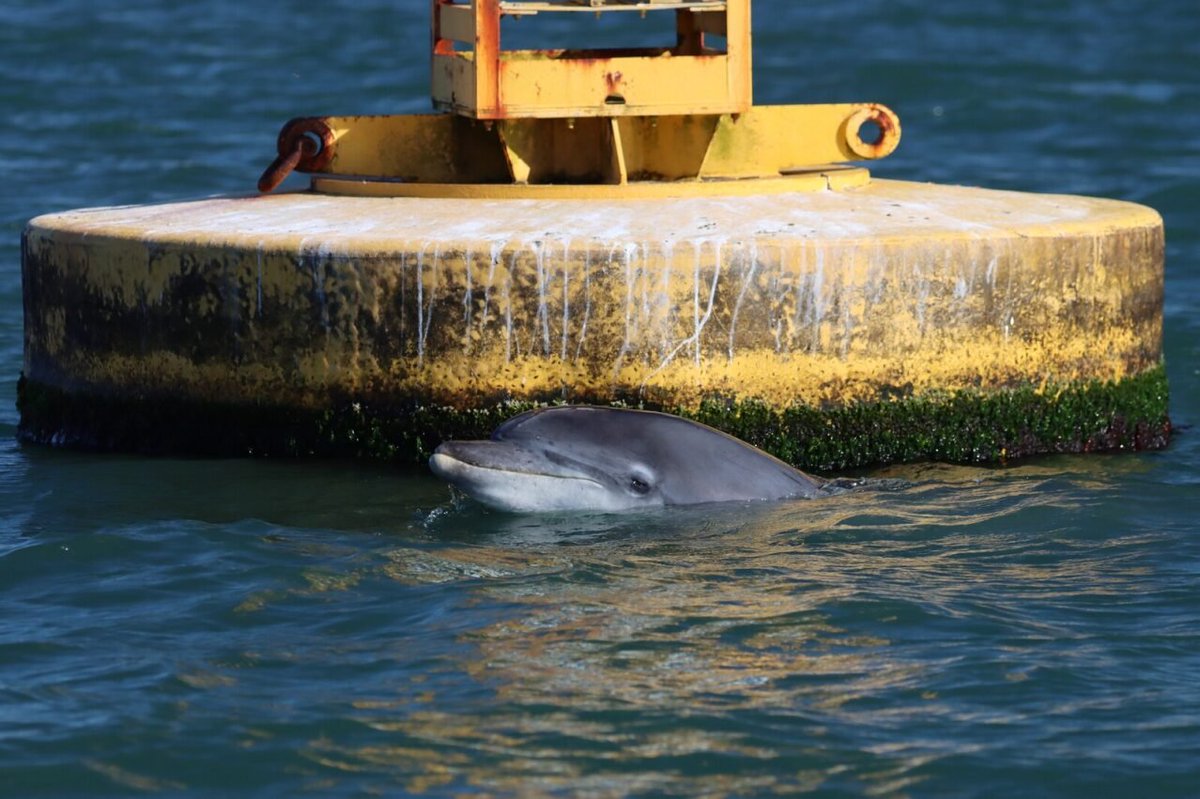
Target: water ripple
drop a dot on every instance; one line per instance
(198, 628)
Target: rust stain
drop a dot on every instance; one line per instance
(886, 140)
(283, 165)
(305, 144)
(614, 82)
(441, 45)
(488, 23)
(487, 46)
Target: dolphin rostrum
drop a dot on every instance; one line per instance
(578, 457)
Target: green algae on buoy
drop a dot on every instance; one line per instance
(433, 283)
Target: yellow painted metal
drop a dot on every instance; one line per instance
(553, 84)
(835, 178)
(685, 77)
(531, 7)
(447, 149)
(586, 118)
(782, 137)
(823, 298)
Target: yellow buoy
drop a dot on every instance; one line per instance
(617, 240)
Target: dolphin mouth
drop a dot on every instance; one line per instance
(449, 460)
(507, 477)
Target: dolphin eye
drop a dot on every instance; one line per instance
(638, 486)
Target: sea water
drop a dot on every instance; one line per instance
(185, 627)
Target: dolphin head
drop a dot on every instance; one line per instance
(609, 459)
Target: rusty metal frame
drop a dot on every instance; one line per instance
(488, 82)
(449, 149)
(586, 119)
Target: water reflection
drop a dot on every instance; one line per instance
(761, 642)
(726, 650)
(71, 492)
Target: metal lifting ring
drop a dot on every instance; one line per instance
(305, 143)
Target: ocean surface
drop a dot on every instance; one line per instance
(191, 628)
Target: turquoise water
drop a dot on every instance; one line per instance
(267, 628)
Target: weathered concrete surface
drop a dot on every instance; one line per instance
(824, 299)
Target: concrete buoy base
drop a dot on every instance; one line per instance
(893, 321)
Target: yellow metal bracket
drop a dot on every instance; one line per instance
(484, 81)
(679, 115)
(765, 142)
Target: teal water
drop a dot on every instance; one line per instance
(267, 628)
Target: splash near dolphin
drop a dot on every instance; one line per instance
(575, 457)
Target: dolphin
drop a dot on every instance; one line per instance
(581, 457)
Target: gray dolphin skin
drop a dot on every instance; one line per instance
(580, 457)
